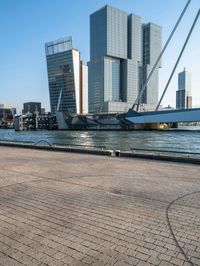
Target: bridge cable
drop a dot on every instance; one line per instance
(177, 62)
(144, 86)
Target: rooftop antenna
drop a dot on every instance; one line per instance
(144, 86)
(180, 55)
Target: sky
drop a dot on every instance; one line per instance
(26, 25)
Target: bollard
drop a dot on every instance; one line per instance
(117, 153)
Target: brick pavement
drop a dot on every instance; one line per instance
(68, 209)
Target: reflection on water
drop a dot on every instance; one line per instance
(188, 141)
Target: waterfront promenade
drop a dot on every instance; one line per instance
(61, 208)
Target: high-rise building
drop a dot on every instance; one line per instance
(183, 94)
(32, 108)
(67, 77)
(116, 58)
(152, 45)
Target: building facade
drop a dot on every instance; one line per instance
(32, 108)
(6, 114)
(116, 57)
(183, 94)
(67, 77)
(152, 46)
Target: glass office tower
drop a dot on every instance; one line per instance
(66, 77)
(115, 56)
(152, 45)
(117, 52)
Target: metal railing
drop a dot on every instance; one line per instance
(42, 143)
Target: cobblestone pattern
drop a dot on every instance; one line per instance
(184, 217)
(66, 209)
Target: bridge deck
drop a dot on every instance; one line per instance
(169, 116)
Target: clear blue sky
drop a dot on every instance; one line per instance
(25, 25)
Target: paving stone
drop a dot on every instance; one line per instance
(177, 261)
(61, 209)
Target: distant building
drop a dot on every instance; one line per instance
(183, 94)
(35, 122)
(67, 77)
(32, 108)
(115, 66)
(14, 111)
(6, 115)
(42, 111)
(5, 105)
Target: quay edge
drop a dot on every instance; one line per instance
(113, 121)
(104, 152)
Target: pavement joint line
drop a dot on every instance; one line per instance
(54, 241)
(19, 183)
(9, 256)
(58, 224)
(83, 185)
(95, 188)
(30, 246)
(5, 198)
(43, 178)
(81, 176)
(170, 226)
(132, 196)
(69, 177)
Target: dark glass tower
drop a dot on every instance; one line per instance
(65, 78)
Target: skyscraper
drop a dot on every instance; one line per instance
(152, 45)
(67, 77)
(183, 94)
(115, 68)
(115, 57)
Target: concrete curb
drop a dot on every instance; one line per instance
(121, 154)
(161, 157)
(59, 148)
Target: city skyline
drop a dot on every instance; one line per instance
(22, 52)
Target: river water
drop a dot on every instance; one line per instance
(173, 140)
